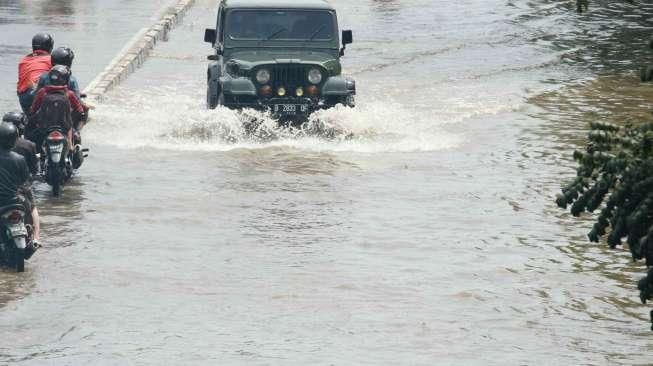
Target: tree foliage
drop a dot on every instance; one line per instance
(615, 176)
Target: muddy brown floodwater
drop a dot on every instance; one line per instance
(421, 231)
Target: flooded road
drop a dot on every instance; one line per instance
(423, 231)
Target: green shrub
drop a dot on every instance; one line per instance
(615, 175)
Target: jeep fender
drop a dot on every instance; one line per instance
(339, 85)
(239, 86)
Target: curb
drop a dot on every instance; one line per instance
(136, 51)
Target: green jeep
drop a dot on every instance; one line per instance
(278, 55)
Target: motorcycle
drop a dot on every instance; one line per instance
(58, 162)
(15, 237)
(55, 163)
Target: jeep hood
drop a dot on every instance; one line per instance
(250, 59)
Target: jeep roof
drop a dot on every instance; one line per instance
(281, 4)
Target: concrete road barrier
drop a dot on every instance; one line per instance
(136, 51)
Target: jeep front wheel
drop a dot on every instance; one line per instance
(347, 101)
(211, 99)
(350, 101)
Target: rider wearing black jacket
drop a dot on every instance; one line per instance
(24, 147)
(27, 150)
(14, 172)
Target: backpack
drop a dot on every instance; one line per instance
(54, 110)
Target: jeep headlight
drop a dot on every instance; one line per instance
(263, 76)
(314, 76)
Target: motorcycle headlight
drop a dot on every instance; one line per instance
(314, 76)
(263, 76)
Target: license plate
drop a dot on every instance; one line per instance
(56, 148)
(290, 109)
(17, 230)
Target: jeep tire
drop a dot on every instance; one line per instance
(347, 101)
(211, 99)
(213, 91)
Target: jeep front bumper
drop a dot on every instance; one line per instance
(283, 108)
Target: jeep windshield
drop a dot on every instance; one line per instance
(268, 25)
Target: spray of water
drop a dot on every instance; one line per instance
(160, 118)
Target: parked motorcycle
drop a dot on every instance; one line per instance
(15, 237)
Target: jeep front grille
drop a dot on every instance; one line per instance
(288, 76)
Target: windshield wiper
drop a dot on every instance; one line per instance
(316, 32)
(274, 34)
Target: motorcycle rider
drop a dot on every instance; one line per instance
(27, 149)
(31, 67)
(65, 56)
(55, 105)
(24, 147)
(14, 176)
(61, 56)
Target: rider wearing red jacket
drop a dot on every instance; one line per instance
(55, 105)
(31, 67)
(75, 104)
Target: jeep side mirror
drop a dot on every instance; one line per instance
(347, 38)
(213, 57)
(210, 35)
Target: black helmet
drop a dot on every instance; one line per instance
(43, 42)
(17, 118)
(59, 75)
(8, 136)
(62, 56)
(14, 117)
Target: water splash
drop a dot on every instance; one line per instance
(160, 119)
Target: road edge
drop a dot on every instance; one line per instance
(136, 51)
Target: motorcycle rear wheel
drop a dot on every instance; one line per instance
(55, 180)
(19, 259)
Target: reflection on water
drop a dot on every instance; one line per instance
(613, 97)
(61, 217)
(10, 7)
(56, 8)
(49, 13)
(290, 161)
(611, 37)
(14, 287)
(9, 12)
(386, 8)
(55, 13)
(305, 211)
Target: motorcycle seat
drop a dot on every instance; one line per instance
(54, 128)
